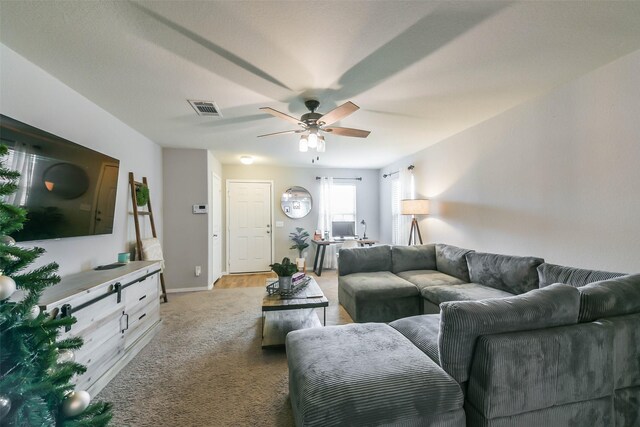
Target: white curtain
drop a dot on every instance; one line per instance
(407, 191)
(324, 219)
(22, 161)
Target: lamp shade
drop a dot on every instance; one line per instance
(414, 207)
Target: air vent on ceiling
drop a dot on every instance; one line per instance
(205, 108)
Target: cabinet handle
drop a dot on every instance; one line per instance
(142, 297)
(127, 327)
(140, 318)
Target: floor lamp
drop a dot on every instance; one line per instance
(414, 207)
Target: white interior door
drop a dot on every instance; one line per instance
(216, 228)
(105, 200)
(249, 226)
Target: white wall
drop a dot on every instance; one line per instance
(556, 177)
(30, 95)
(367, 203)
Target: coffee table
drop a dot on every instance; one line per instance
(281, 316)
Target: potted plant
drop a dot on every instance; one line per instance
(284, 271)
(299, 239)
(142, 195)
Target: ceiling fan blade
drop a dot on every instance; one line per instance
(357, 133)
(339, 113)
(282, 133)
(281, 115)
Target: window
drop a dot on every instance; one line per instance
(395, 211)
(343, 202)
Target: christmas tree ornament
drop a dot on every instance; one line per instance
(34, 312)
(75, 403)
(5, 406)
(66, 355)
(7, 287)
(7, 240)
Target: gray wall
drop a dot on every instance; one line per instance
(186, 234)
(367, 203)
(29, 94)
(556, 177)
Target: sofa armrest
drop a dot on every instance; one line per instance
(519, 372)
(364, 260)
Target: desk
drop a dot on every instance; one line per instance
(321, 248)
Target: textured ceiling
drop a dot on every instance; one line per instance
(420, 71)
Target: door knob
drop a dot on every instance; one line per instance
(268, 225)
(215, 235)
(268, 232)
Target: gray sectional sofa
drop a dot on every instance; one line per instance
(511, 345)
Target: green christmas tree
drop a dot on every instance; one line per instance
(36, 367)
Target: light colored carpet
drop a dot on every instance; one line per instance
(206, 367)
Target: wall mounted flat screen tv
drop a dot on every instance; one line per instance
(68, 190)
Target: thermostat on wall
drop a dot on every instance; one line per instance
(200, 209)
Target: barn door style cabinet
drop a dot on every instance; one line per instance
(117, 312)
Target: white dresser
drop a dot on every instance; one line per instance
(117, 312)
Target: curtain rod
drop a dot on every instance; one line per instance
(410, 168)
(358, 178)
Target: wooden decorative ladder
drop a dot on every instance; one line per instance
(136, 219)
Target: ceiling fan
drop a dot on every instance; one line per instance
(313, 124)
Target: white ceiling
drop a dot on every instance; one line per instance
(420, 70)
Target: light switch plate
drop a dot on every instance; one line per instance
(279, 224)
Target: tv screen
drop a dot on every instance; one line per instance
(342, 229)
(68, 190)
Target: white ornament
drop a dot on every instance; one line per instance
(34, 312)
(7, 287)
(66, 355)
(5, 406)
(7, 240)
(75, 403)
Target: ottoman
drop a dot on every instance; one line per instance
(367, 374)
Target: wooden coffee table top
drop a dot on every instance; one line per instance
(309, 297)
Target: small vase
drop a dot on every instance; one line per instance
(300, 263)
(284, 283)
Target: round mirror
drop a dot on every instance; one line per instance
(296, 202)
(66, 180)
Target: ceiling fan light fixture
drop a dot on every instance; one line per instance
(304, 146)
(313, 138)
(321, 145)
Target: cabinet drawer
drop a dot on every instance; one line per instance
(141, 322)
(140, 291)
(102, 359)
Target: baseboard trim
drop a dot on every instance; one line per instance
(177, 290)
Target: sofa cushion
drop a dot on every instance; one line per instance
(419, 257)
(613, 297)
(358, 260)
(367, 374)
(451, 260)
(426, 278)
(548, 274)
(463, 292)
(377, 285)
(422, 331)
(509, 273)
(462, 322)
